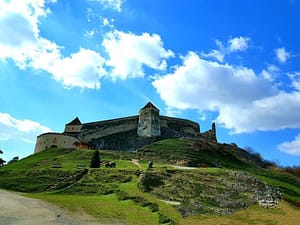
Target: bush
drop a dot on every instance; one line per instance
(95, 161)
(163, 219)
(150, 180)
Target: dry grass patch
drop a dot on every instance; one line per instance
(284, 214)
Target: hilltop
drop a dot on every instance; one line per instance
(191, 180)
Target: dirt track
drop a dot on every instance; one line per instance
(19, 210)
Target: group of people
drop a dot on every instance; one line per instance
(110, 164)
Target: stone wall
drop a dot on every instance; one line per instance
(174, 127)
(73, 128)
(129, 139)
(49, 140)
(122, 134)
(125, 141)
(128, 133)
(96, 130)
(210, 135)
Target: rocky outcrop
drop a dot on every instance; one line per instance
(264, 195)
(201, 192)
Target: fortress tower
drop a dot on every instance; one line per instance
(149, 121)
(74, 126)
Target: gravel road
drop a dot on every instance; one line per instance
(16, 209)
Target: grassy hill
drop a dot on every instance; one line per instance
(223, 180)
(197, 153)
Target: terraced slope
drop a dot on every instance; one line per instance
(226, 179)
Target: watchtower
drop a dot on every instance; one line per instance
(149, 122)
(74, 126)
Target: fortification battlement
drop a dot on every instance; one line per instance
(127, 133)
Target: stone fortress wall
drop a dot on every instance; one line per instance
(91, 131)
(128, 133)
(50, 140)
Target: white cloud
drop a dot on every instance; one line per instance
(113, 4)
(292, 147)
(282, 55)
(89, 34)
(20, 41)
(270, 73)
(15, 129)
(215, 54)
(270, 113)
(19, 29)
(295, 78)
(82, 69)
(215, 82)
(245, 101)
(238, 44)
(128, 53)
(233, 45)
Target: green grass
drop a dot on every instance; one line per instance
(110, 193)
(69, 159)
(193, 153)
(44, 160)
(132, 189)
(36, 173)
(105, 206)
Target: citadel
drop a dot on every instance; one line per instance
(128, 133)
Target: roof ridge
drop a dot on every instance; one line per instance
(150, 105)
(75, 121)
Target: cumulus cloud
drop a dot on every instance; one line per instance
(238, 44)
(292, 147)
(270, 113)
(20, 41)
(282, 55)
(128, 53)
(233, 45)
(15, 129)
(19, 29)
(82, 69)
(244, 100)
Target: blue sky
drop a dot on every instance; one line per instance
(236, 63)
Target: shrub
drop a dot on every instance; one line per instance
(163, 219)
(95, 161)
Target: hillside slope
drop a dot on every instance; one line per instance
(200, 153)
(227, 179)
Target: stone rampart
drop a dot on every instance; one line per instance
(126, 133)
(50, 140)
(95, 130)
(174, 127)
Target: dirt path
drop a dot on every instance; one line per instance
(136, 162)
(170, 202)
(19, 210)
(183, 167)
